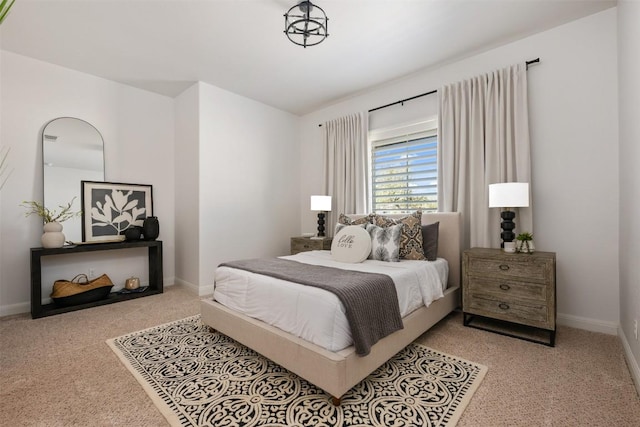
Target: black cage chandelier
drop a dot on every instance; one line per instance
(303, 28)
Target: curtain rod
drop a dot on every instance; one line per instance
(402, 101)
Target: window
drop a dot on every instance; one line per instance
(404, 170)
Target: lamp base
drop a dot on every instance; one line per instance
(320, 225)
(508, 226)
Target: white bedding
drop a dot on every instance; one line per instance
(317, 315)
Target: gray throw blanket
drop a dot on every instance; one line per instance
(370, 299)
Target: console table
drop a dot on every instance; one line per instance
(155, 275)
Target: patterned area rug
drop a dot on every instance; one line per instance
(199, 377)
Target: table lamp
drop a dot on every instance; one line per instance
(508, 195)
(321, 204)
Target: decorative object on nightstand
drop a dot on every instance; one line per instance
(509, 247)
(508, 195)
(304, 244)
(525, 243)
(511, 294)
(320, 204)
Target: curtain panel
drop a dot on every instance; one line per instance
(346, 165)
(483, 139)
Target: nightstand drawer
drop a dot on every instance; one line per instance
(507, 268)
(511, 289)
(532, 314)
(304, 244)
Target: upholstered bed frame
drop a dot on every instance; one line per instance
(337, 372)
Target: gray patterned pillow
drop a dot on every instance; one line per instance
(411, 239)
(385, 242)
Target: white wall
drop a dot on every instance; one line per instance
(574, 133)
(135, 125)
(629, 89)
(187, 142)
(249, 180)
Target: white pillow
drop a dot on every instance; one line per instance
(351, 244)
(385, 242)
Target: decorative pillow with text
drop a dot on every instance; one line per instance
(351, 244)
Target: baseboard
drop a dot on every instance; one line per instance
(201, 291)
(192, 288)
(632, 363)
(10, 310)
(588, 324)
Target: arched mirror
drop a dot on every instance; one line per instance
(72, 151)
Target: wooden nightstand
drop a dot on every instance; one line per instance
(304, 244)
(517, 289)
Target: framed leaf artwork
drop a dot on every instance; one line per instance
(109, 208)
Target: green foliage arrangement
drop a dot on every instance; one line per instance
(5, 6)
(50, 215)
(4, 175)
(525, 237)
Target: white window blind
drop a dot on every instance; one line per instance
(404, 173)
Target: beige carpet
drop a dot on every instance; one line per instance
(58, 371)
(197, 377)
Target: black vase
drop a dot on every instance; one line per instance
(151, 228)
(133, 233)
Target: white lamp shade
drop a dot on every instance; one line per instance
(509, 195)
(321, 203)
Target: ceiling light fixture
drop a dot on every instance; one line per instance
(304, 29)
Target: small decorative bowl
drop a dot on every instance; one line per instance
(133, 233)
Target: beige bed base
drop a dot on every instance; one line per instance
(337, 372)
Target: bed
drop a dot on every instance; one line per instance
(338, 371)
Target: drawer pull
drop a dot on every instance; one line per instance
(504, 267)
(503, 306)
(306, 246)
(505, 287)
